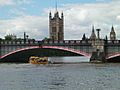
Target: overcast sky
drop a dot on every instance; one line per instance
(31, 16)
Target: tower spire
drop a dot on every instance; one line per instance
(112, 29)
(56, 5)
(93, 29)
(93, 35)
(56, 12)
(112, 34)
(62, 16)
(50, 15)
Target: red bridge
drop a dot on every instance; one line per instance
(9, 51)
(12, 50)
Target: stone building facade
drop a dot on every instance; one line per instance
(56, 26)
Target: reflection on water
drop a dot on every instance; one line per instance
(82, 76)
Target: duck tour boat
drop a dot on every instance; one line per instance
(38, 60)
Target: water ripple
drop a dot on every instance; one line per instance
(83, 76)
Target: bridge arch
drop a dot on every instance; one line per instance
(78, 52)
(113, 55)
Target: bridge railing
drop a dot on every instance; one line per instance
(44, 42)
(3, 42)
(16, 42)
(67, 42)
(112, 42)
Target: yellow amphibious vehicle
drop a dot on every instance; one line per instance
(38, 60)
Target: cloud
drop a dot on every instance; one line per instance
(34, 26)
(23, 1)
(14, 2)
(6, 2)
(79, 19)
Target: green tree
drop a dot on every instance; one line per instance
(46, 39)
(8, 37)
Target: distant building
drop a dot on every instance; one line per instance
(84, 37)
(56, 26)
(10, 37)
(112, 34)
(93, 35)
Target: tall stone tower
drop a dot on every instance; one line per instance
(56, 26)
(112, 34)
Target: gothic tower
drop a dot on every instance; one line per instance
(93, 35)
(56, 26)
(112, 34)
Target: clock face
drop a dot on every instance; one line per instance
(112, 35)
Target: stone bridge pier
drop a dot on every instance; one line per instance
(98, 55)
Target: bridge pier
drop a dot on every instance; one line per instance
(98, 56)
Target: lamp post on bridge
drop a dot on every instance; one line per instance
(98, 33)
(98, 40)
(40, 43)
(25, 37)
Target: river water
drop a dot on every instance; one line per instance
(81, 76)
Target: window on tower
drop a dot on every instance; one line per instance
(60, 28)
(54, 29)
